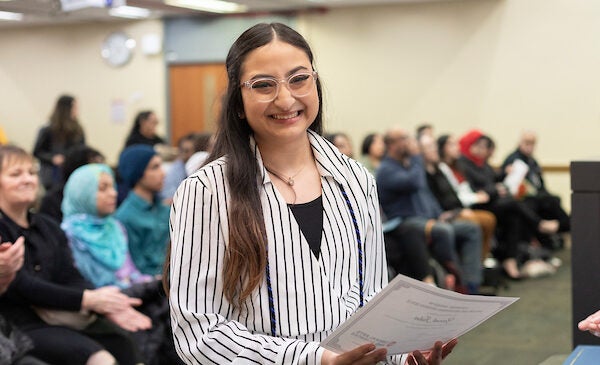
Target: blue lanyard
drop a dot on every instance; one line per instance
(360, 268)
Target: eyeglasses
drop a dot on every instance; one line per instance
(266, 89)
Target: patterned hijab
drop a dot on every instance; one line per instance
(102, 237)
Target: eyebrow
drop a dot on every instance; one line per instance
(289, 73)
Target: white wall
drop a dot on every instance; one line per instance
(38, 64)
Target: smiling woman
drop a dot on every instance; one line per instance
(19, 179)
(277, 239)
(49, 281)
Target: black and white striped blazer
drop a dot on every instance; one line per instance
(311, 296)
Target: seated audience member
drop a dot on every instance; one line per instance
(74, 158)
(406, 243)
(14, 344)
(424, 129)
(203, 146)
(403, 193)
(406, 253)
(101, 253)
(535, 194)
(48, 294)
(98, 241)
(445, 187)
(145, 217)
(144, 130)
(515, 220)
(372, 151)
(449, 154)
(342, 142)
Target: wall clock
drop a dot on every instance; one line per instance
(117, 49)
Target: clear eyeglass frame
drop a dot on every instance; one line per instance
(253, 85)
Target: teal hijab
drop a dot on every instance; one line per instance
(99, 244)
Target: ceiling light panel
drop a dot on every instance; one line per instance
(212, 6)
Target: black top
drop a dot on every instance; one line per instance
(443, 190)
(534, 174)
(51, 203)
(138, 138)
(46, 145)
(479, 177)
(48, 278)
(310, 219)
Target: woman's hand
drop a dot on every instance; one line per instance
(466, 213)
(591, 324)
(58, 160)
(108, 299)
(433, 357)
(362, 355)
(482, 197)
(12, 256)
(130, 320)
(501, 190)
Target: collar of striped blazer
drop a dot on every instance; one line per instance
(329, 159)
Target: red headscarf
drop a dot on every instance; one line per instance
(466, 141)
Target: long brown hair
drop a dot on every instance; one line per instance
(137, 122)
(65, 128)
(246, 254)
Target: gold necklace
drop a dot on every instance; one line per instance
(289, 180)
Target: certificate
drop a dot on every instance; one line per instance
(516, 176)
(410, 315)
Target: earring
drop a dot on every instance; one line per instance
(241, 115)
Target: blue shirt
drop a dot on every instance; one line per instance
(403, 190)
(147, 228)
(174, 176)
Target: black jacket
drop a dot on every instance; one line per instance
(46, 147)
(479, 177)
(443, 191)
(48, 277)
(138, 138)
(534, 175)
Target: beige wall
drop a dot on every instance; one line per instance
(499, 65)
(39, 64)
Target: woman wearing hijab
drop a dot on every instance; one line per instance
(97, 239)
(101, 253)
